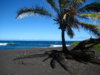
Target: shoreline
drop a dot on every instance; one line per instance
(35, 48)
(35, 66)
(13, 45)
(28, 48)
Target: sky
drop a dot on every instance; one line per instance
(34, 27)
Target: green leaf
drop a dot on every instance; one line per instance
(95, 16)
(74, 44)
(52, 4)
(95, 6)
(70, 31)
(32, 11)
(96, 47)
(77, 3)
(95, 30)
(63, 3)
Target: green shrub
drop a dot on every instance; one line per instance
(95, 47)
(75, 44)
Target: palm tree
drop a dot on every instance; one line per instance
(67, 14)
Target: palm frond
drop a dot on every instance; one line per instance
(52, 4)
(77, 3)
(70, 19)
(92, 28)
(95, 16)
(63, 3)
(32, 11)
(69, 31)
(95, 6)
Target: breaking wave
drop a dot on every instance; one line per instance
(5, 44)
(57, 45)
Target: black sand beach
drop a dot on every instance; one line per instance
(35, 66)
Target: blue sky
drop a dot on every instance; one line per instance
(31, 28)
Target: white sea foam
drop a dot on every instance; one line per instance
(3, 44)
(57, 45)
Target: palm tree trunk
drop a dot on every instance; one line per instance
(64, 48)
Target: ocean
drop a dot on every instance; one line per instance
(12, 45)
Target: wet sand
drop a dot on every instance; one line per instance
(35, 66)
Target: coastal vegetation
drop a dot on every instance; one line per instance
(95, 47)
(67, 15)
(74, 44)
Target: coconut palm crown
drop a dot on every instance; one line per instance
(67, 14)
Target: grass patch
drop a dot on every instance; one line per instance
(95, 47)
(75, 44)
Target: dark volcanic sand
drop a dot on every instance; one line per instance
(35, 66)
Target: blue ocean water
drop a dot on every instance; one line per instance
(11, 45)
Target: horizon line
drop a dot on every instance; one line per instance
(39, 40)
